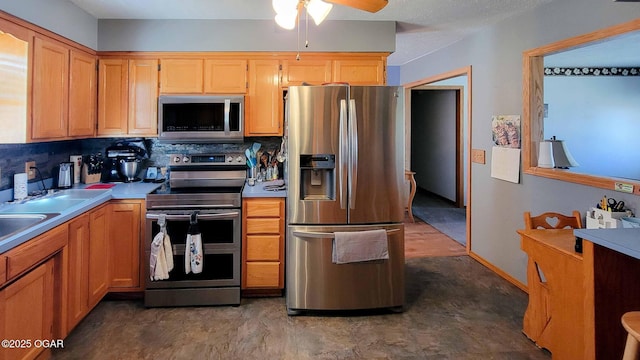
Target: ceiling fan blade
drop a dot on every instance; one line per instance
(367, 5)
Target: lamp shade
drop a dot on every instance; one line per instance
(318, 10)
(287, 19)
(561, 156)
(545, 155)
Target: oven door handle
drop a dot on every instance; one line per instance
(173, 207)
(188, 216)
(326, 235)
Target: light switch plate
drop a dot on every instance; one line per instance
(478, 156)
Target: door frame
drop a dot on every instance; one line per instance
(467, 153)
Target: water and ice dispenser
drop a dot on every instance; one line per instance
(317, 177)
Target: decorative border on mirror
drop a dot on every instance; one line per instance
(592, 71)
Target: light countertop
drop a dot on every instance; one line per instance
(622, 240)
(258, 190)
(97, 197)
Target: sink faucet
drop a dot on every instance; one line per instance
(44, 187)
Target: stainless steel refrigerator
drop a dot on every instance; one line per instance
(345, 173)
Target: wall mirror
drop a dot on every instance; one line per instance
(585, 90)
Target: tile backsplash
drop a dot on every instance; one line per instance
(48, 155)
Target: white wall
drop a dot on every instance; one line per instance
(433, 157)
(242, 35)
(495, 54)
(60, 16)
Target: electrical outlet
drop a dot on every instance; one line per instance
(31, 173)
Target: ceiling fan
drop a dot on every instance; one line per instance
(287, 11)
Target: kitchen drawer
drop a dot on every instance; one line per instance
(264, 208)
(263, 247)
(263, 274)
(33, 252)
(263, 226)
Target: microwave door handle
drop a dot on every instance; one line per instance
(227, 110)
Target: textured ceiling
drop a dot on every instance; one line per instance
(423, 26)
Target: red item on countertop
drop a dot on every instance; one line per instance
(100, 186)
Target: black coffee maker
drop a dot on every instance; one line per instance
(115, 153)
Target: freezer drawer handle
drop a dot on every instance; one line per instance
(188, 216)
(325, 235)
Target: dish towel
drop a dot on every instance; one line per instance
(358, 246)
(193, 259)
(158, 262)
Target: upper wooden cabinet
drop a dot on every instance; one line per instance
(181, 76)
(203, 76)
(313, 72)
(359, 71)
(50, 90)
(127, 97)
(82, 94)
(225, 76)
(15, 43)
(64, 91)
(264, 101)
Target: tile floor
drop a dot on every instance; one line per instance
(455, 309)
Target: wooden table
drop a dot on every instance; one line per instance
(575, 310)
(408, 174)
(554, 318)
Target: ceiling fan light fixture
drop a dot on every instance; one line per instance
(318, 10)
(287, 19)
(282, 6)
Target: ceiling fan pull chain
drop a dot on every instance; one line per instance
(298, 42)
(306, 28)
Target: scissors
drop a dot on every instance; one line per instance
(615, 205)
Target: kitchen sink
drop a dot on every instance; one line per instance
(54, 203)
(11, 224)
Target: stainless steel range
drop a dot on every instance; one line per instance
(208, 189)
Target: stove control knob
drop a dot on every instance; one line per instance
(177, 159)
(185, 159)
(229, 158)
(239, 159)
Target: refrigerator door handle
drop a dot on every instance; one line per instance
(326, 235)
(343, 151)
(353, 153)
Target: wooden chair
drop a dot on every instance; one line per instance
(546, 220)
(537, 317)
(631, 323)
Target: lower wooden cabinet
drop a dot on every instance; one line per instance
(263, 233)
(27, 312)
(87, 264)
(124, 245)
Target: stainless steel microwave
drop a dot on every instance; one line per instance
(200, 118)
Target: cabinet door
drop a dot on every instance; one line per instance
(143, 97)
(78, 270)
(314, 72)
(264, 103)
(124, 242)
(27, 311)
(50, 90)
(14, 68)
(82, 94)
(98, 278)
(359, 72)
(181, 76)
(225, 76)
(113, 96)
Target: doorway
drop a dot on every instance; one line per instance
(443, 154)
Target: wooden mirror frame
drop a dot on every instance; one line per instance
(533, 108)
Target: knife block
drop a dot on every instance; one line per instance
(87, 178)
